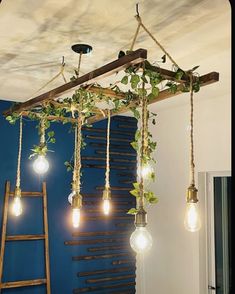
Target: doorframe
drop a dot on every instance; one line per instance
(206, 234)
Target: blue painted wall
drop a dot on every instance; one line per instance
(23, 260)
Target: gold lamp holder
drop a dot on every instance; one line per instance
(107, 193)
(141, 217)
(192, 194)
(77, 201)
(17, 192)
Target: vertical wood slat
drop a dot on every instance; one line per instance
(46, 243)
(4, 225)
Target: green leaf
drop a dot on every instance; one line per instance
(51, 134)
(135, 79)
(52, 140)
(132, 211)
(179, 74)
(124, 80)
(136, 185)
(155, 91)
(134, 145)
(137, 135)
(134, 192)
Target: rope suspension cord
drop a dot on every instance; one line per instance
(42, 132)
(61, 72)
(192, 164)
(19, 154)
(135, 37)
(144, 143)
(78, 153)
(75, 156)
(107, 183)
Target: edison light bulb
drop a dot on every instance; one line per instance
(141, 240)
(76, 217)
(70, 197)
(192, 219)
(41, 165)
(17, 206)
(106, 206)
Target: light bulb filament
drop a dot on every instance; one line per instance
(17, 206)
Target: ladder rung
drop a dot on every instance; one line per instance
(28, 194)
(24, 237)
(22, 283)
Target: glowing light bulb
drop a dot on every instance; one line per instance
(106, 206)
(17, 206)
(145, 171)
(41, 165)
(76, 217)
(141, 240)
(70, 197)
(192, 221)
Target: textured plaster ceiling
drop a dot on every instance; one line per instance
(34, 35)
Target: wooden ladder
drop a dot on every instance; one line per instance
(5, 238)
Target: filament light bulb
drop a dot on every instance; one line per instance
(76, 217)
(192, 221)
(106, 206)
(17, 206)
(141, 240)
(41, 165)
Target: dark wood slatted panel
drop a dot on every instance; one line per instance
(104, 260)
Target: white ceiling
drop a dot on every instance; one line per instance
(34, 35)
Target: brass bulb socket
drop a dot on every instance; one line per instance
(106, 194)
(192, 194)
(141, 218)
(17, 192)
(77, 201)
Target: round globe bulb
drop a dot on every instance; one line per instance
(76, 217)
(41, 165)
(17, 206)
(192, 221)
(141, 240)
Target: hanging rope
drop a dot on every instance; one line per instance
(78, 160)
(135, 37)
(61, 72)
(75, 156)
(192, 165)
(144, 142)
(107, 183)
(42, 132)
(19, 155)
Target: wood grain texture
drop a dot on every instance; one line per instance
(106, 271)
(104, 287)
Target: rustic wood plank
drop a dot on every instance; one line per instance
(104, 138)
(99, 256)
(105, 217)
(117, 153)
(124, 261)
(121, 63)
(107, 271)
(99, 130)
(25, 237)
(108, 248)
(25, 283)
(88, 203)
(112, 167)
(110, 279)
(28, 194)
(98, 233)
(111, 159)
(4, 228)
(95, 241)
(104, 287)
(46, 243)
(113, 188)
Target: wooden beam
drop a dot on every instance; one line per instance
(98, 233)
(110, 279)
(121, 63)
(107, 271)
(103, 287)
